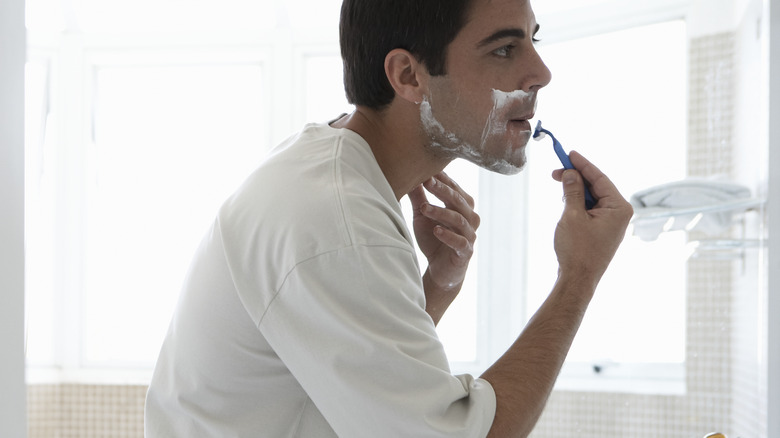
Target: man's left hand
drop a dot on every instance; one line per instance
(446, 237)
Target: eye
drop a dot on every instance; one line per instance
(505, 51)
(535, 40)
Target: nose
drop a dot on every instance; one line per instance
(538, 75)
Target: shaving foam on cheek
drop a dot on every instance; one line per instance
(495, 126)
(503, 98)
(503, 102)
(435, 129)
(432, 125)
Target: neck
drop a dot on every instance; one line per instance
(397, 142)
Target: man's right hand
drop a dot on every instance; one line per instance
(586, 240)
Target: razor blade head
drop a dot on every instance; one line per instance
(538, 133)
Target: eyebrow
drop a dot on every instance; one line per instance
(505, 33)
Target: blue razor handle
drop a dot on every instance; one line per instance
(589, 201)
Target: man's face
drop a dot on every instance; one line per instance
(480, 109)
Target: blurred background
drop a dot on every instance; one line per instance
(142, 117)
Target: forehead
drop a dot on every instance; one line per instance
(487, 16)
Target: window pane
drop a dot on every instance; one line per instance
(39, 213)
(167, 15)
(551, 6)
(172, 142)
(322, 15)
(324, 97)
(620, 99)
(457, 329)
(44, 15)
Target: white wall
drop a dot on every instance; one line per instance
(708, 17)
(12, 384)
(773, 299)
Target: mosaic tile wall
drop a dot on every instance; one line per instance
(706, 406)
(722, 388)
(85, 411)
(722, 378)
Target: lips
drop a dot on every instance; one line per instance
(521, 114)
(523, 124)
(523, 120)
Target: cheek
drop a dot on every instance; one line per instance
(461, 99)
(512, 99)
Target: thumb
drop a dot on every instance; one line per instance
(573, 189)
(417, 197)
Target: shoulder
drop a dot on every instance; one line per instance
(320, 190)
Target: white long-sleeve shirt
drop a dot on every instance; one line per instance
(303, 313)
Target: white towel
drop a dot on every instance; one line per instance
(688, 194)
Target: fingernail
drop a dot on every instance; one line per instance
(569, 178)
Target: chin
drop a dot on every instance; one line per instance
(511, 164)
(505, 156)
(501, 166)
(505, 168)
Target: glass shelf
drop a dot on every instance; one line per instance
(712, 247)
(737, 205)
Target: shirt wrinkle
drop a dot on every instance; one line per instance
(297, 430)
(287, 275)
(338, 188)
(265, 295)
(218, 227)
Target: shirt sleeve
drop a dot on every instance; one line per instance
(351, 326)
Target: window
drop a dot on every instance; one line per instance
(166, 154)
(137, 134)
(135, 137)
(39, 211)
(619, 98)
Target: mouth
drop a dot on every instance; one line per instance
(522, 122)
(522, 116)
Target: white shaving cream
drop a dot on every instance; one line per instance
(495, 125)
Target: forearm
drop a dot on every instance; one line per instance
(438, 299)
(585, 242)
(525, 375)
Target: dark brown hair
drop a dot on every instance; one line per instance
(370, 29)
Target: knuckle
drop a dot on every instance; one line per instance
(469, 251)
(469, 200)
(629, 213)
(475, 220)
(460, 198)
(465, 249)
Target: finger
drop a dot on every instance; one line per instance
(453, 200)
(462, 247)
(452, 220)
(573, 189)
(443, 177)
(601, 186)
(417, 198)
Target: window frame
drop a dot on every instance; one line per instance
(586, 21)
(501, 302)
(75, 59)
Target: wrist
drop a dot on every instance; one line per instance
(435, 286)
(581, 282)
(437, 298)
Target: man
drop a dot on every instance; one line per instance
(305, 314)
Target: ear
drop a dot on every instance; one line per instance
(408, 76)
